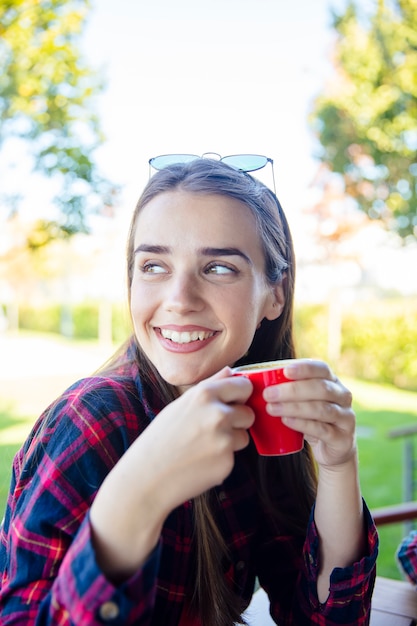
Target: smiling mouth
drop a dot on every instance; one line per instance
(186, 337)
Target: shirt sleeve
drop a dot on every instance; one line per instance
(289, 574)
(407, 556)
(50, 575)
(83, 594)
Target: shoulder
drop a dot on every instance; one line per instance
(93, 410)
(102, 393)
(99, 394)
(83, 432)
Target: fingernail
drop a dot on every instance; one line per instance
(271, 394)
(290, 371)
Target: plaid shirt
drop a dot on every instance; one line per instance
(407, 556)
(49, 572)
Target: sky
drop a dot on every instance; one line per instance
(195, 76)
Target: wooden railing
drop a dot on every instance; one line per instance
(404, 512)
(394, 602)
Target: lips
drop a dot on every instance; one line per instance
(184, 341)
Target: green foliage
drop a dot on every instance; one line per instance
(44, 320)
(46, 96)
(310, 331)
(82, 319)
(379, 340)
(85, 321)
(365, 119)
(382, 344)
(121, 326)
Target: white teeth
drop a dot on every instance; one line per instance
(185, 337)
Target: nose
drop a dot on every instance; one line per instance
(183, 293)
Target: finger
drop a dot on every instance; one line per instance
(240, 439)
(241, 417)
(308, 368)
(226, 388)
(308, 390)
(313, 430)
(327, 412)
(330, 433)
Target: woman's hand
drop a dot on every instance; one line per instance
(316, 403)
(192, 442)
(188, 448)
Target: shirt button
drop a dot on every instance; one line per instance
(108, 611)
(240, 565)
(222, 496)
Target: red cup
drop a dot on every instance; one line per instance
(270, 435)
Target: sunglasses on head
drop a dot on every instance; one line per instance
(240, 162)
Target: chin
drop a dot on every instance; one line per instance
(183, 382)
(178, 381)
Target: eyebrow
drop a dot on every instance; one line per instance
(156, 249)
(144, 247)
(225, 252)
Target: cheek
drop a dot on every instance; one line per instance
(140, 302)
(245, 321)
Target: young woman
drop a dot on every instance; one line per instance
(139, 498)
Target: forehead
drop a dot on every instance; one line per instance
(184, 199)
(206, 215)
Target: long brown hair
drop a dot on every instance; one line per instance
(212, 598)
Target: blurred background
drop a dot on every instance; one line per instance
(89, 91)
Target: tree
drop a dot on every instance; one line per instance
(47, 92)
(366, 118)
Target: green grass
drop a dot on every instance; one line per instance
(379, 409)
(13, 430)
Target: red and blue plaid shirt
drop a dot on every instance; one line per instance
(49, 573)
(407, 556)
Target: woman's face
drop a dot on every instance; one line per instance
(198, 289)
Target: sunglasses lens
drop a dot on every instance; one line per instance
(246, 162)
(165, 160)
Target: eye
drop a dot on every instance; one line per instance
(220, 269)
(152, 268)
